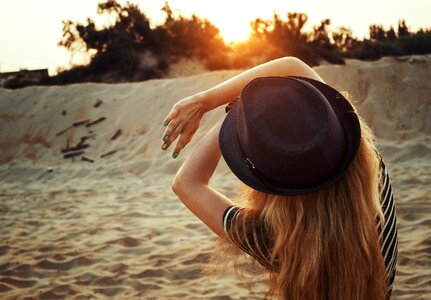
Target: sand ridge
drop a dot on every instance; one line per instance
(110, 226)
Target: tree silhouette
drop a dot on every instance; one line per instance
(403, 30)
(344, 40)
(377, 33)
(127, 49)
(388, 43)
(287, 38)
(193, 37)
(131, 49)
(323, 45)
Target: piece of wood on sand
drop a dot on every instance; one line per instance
(73, 154)
(84, 158)
(85, 138)
(116, 134)
(75, 148)
(63, 131)
(80, 123)
(98, 103)
(101, 119)
(108, 153)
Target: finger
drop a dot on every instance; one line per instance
(173, 136)
(169, 138)
(171, 128)
(182, 142)
(171, 115)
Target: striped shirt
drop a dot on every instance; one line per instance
(257, 244)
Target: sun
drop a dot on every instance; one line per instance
(234, 31)
(232, 20)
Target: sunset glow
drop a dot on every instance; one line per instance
(233, 18)
(234, 31)
(31, 30)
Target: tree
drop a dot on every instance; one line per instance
(129, 48)
(377, 33)
(403, 30)
(283, 38)
(193, 37)
(323, 45)
(344, 40)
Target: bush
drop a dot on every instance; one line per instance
(388, 43)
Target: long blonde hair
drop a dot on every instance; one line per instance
(325, 242)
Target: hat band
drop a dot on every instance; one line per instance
(258, 174)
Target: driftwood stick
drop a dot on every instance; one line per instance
(85, 138)
(82, 141)
(97, 104)
(63, 131)
(73, 154)
(108, 153)
(116, 134)
(84, 158)
(75, 148)
(79, 123)
(95, 122)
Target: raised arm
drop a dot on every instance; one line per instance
(184, 118)
(229, 89)
(191, 184)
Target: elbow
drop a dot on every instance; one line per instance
(293, 66)
(185, 187)
(181, 189)
(176, 185)
(291, 60)
(294, 63)
(179, 185)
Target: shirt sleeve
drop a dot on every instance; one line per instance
(249, 234)
(388, 233)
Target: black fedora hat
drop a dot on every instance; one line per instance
(289, 135)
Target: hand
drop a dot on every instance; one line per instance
(183, 121)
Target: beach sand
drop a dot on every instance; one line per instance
(105, 223)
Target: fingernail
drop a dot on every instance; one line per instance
(164, 146)
(175, 155)
(165, 138)
(165, 123)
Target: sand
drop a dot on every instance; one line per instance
(109, 226)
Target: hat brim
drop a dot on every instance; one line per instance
(234, 158)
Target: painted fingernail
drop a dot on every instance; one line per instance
(175, 155)
(165, 123)
(165, 138)
(164, 146)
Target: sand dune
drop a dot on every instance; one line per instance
(86, 207)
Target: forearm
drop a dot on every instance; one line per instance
(228, 90)
(201, 163)
(191, 182)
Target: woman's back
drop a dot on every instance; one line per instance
(328, 244)
(258, 245)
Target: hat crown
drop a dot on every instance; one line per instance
(289, 135)
(294, 118)
(288, 131)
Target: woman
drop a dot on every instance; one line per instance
(319, 215)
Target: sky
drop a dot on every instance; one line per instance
(30, 30)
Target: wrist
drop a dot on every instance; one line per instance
(204, 99)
